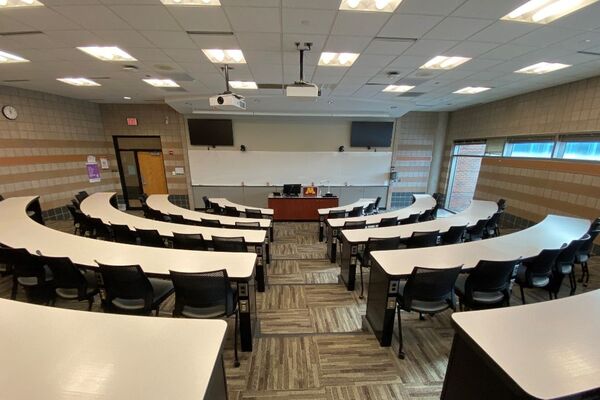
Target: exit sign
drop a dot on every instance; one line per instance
(132, 121)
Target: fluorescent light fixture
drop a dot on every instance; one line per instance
(161, 83)
(443, 62)
(79, 81)
(542, 68)
(220, 56)
(337, 59)
(545, 11)
(8, 58)
(370, 5)
(472, 90)
(126, 98)
(243, 85)
(194, 3)
(19, 3)
(108, 53)
(398, 88)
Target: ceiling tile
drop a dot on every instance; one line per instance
(93, 17)
(409, 26)
(151, 18)
(202, 19)
(430, 48)
(508, 51)
(503, 31)
(491, 9)
(346, 44)
(388, 47)
(8, 24)
(245, 19)
(358, 24)
(307, 21)
(428, 7)
(456, 28)
(215, 41)
(290, 39)
(314, 4)
(43, 18)
(123, 39)
(545, 36)
(259, 41)
(472, 49)
(174, 40)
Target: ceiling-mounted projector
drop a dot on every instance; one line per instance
(227, 100)
(301, 88)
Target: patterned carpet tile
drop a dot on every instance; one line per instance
(287, 322)
(336, 319)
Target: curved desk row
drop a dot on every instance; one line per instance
(160, 202)
(56, 354)
(545, 350)
(323, 212)
(353, 239)
(422, 203)
(19, 231)
(98, 205)
(222, 202)
(389, 267)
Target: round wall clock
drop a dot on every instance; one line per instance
(10, 112)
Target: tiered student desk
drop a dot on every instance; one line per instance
(323, 212)
(222, 202)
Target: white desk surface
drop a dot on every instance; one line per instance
(160, 202)
(222, 202)
(549, 349)
(98, 205)
(478, 209)
(347, 208)
(57, 354)
(19, 231)
(422, 203)
(550, 233)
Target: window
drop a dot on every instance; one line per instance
(579, 147)
(464, 172)
(529, 148)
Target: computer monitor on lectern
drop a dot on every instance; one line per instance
(292, 189)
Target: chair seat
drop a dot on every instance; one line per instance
(215, 311)
(73, 293)
(582, 257)
(161, 289)
(536, 281)
(32, 280)
(479, 297)
(424, 306)
(564, 269)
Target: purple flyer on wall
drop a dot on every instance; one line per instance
(93, 172)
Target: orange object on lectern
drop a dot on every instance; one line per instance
(310, 190)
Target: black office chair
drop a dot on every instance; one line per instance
(75, 203)
(336, 214)
(476, 231)
(501, 205)
(142, 200)
(427, 291)
(376, 205)
(186, 241)
(207, 204)
(147, 211)
(454, 235)
(374, 244)
(354, 225)
(565, 265)
(391, 221)
(229, 244)
(150, 237)
(206, 295)
(369, 209)
(585, 252)
(251, 213)
(1, 197)
(486, 286)
(536, 272)
(247, 225)
(215, 223)
(130, 291)
(99, 229)
(5, 262)
(80, 222)
(177, 219)
(427, 215)
(411, 219)
(155, 215)
(81, 196)
(356, 212)
(71, 283)
(28, 272)
(122, 234)
(491, 228)
(231, 211)
(422, 239)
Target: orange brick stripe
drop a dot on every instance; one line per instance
(52, 143)
(65, 187)
(30, 160)
(41, 175)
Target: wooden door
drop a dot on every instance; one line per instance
(152, 172)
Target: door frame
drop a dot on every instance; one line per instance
(137, 164)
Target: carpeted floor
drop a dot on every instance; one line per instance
(310, 345)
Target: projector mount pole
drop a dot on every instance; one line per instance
(226, 69)
(307, 46)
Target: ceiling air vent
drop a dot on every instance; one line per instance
(174, 89)
(21, 33)
(178, 76)
(210, 33)
(15, 80)
(270, 86)
(589, 53)
(410, 94)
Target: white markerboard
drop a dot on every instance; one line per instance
(257, 168)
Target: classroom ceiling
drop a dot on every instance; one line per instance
(265, 30)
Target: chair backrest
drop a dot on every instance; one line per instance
(411, 219)
(391, 221)
(147, 211)
(423, 239)
(100, 228)
(142, 200)
(248, 225)
(203, 290)
(376, 244)
(336, 214)
(1, 197)
(215, 223)
(567, 256)
(369, 209)
(489, 276)
(355, 225)
(476, 231)
(587, 247)
(206, 202)
(454, 235)
(127, 282)
(430, 285)
(177, 219)
(426, 215)
(376, 205)
(150, 237)
(231, 211)
(501, 204)
(122, 234)
(81, 196)
(75, 203)
(186, 241)
(230, 244)
(252, 213)
(356, 211)
(65, 274)
(23, 263)
(541, 265)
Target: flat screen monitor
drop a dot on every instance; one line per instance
(292, 189)
(210, 132)
(371, 134)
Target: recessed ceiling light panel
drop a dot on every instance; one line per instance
(243, 85)
(542, 68)
(19, 3)
(8, 58)
(79, 81)
(545, 11)
(398, 88)
(370, 5)
(329, 59)
(107, 53)
(472, 90)
(443, 62)
(220, 56)
(162, 83)
(192, 3)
